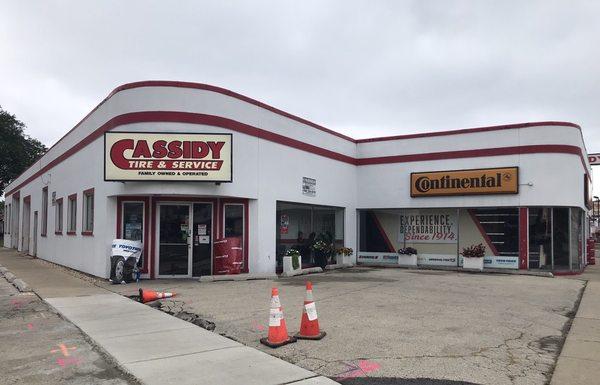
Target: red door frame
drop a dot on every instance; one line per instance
(149, 265)
(147, 236)
(523, 238)
(244, 202)
(215, 205)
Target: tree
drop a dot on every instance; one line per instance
(18, 151)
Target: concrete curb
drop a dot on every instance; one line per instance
(310, 270)
(236, 277)
(17, 282)
(339, 266)
(21, 285)
(545, 274)
(10, 277)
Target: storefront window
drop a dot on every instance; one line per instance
(497, 229)
(372, 238)
(576, 239)
(555, 236)
(560, 240)
(439, 235)
(432, 232)
(540, 238)
(299, 226)
(234, 223)
(234, 220)
(133, 221)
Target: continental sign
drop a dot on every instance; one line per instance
(138, 156)
(465, 182)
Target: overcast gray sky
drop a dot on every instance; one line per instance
(364, 68)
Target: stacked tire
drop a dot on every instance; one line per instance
(122, 270)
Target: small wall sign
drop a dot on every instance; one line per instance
(309, 186)
(284, 224)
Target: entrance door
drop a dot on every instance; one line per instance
(174, 240)
(26, 229)
(202, 239)
(34, 241)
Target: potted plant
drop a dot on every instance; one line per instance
(407, 256)
(322, 252)
(473, 257)
(292, 260)
(343, 255)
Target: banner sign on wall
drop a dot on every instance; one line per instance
(428, 226)
(284, 223)
(501, 262)
(498, 262)
(465, 182)
(372, 257)
(156, 156)
(437, 260)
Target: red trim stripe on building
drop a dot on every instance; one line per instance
(218, 121)
(270, 136)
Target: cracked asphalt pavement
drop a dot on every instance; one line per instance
(397, 326)
(39, 347)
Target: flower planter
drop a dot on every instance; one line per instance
(343, 259)
(473, 263)
(407, 259)
(288, 266)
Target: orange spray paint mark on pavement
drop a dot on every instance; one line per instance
(30, 326)
(16, 303)
(257, 326)
(358, 370)
(63, 362)
(63, 349)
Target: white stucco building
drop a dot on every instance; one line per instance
(274, 181)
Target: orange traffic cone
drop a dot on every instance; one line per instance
(149, 295)
(278, 335)
(309, 326)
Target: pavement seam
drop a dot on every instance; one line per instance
(146, 333)
(184, 354)
(304, 379)
(594, 319)
(580, 358)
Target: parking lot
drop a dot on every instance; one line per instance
(397, 323)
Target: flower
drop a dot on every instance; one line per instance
(292, 253)
(320, 246)
(407, 251)
(474, 251)
(345, 251)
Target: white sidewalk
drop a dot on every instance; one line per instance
(157, 348)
